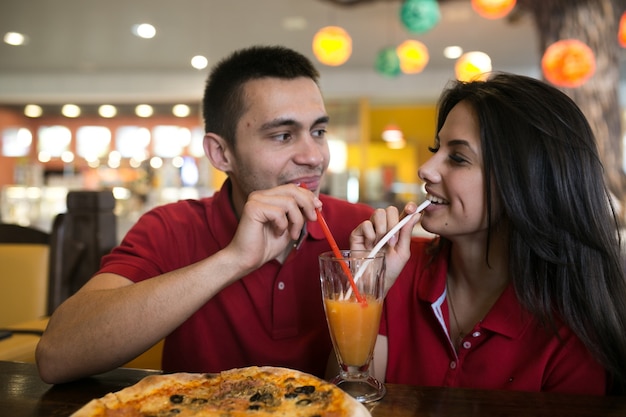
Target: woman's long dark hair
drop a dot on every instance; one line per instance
(565, 258)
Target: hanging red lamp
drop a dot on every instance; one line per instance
(621, 34)
(568, 63)
(493, 9)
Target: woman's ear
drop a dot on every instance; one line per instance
(216, 149)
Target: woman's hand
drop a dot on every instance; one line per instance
(397, 249)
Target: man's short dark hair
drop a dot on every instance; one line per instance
(223, 102)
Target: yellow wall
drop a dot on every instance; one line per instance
(418, 124)
(218, 178)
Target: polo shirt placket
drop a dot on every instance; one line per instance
(469, 342)
(284, 322)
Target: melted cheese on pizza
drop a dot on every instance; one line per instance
(243, 392)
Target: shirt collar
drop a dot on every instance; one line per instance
(507, 316)
(314, 229)
(223, 215)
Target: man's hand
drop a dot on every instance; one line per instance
(270, 221)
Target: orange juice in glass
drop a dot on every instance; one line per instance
(353, 322)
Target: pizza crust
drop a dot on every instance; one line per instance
(144, 389)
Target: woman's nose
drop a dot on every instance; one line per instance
(428, 171)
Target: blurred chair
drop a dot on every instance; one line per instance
(39, 270)
(65, 255)
(79, 239)
(24, 273)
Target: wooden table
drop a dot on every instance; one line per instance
(21, 345)
(23, 394)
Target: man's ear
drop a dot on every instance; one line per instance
(218, 152)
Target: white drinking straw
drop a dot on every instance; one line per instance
(382, 243)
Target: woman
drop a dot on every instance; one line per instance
(524, 286)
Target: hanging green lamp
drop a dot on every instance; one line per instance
(420, 16)
(388, 62)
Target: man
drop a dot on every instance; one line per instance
(231, 280)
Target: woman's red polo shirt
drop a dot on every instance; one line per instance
(508, 349)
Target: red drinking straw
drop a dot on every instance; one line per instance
(337, 252)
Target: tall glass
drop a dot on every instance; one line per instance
(353, 324)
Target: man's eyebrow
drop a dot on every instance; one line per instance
(291, 122)
(323, 119)
(279, 122)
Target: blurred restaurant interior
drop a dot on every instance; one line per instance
(73, 90)
(100, 114)
(100, 121)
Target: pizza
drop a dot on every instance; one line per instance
(253, 391)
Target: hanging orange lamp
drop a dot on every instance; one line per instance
(472, 66)
(493, 9)
(413, 56)
(568, 63)
(332, 45)
(621, 34)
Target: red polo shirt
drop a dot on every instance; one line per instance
(274, 316)
(508, 349)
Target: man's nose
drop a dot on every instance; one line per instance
(311, 151)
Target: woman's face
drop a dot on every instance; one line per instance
(455, 180)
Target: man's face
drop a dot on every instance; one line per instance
(281, 137)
